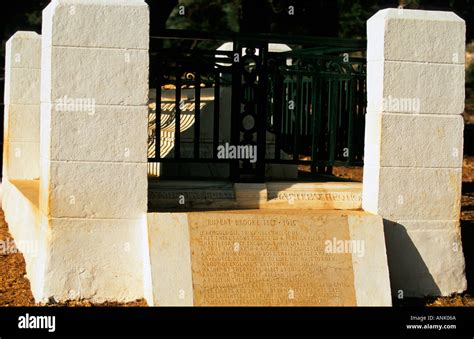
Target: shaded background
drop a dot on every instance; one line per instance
(343, 18)
(331, 18)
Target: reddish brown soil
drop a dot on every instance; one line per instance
(14, 287)
(456, 300)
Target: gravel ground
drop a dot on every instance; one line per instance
(14, 287)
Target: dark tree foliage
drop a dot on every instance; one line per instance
(463, 8)
(313, 17)
(160, 10)
(289, 16)
(354, 13)
(20, 16)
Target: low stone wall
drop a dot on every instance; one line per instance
(230, 258)
(20, 184)
(22, 107)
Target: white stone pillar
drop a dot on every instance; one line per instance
(93, 191)
(21, 147)
(413, 146)
(22, 107)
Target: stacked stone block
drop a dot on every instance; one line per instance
(93, 191)
(413, 146)
(22, 107)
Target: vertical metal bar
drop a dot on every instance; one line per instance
(318, 120)
(262, 115)
(288, 112)
(235, 108)
(303, 106)
(177, 131)
(339, 108)
(197, 114)
(217, 102)
(296, 130)
(327, 119)
(314, 119)
(278, 101)
(301, 103)
(363, 104)
(158, 117)
(350, 127)
(308, 107)
(341, 126)
(286, 107)
(332, 122)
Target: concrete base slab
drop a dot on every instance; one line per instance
(268, 258)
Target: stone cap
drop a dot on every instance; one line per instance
(416, 36)
(111, 24)
(415, 14)
(25, 35)
(23, 50)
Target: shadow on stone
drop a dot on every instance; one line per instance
(409, 275)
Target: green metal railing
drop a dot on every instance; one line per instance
(307, 104)
(322, 109)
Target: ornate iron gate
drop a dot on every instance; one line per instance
(310, 101)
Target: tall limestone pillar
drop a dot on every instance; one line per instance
(22, 107)
(21, 146)
(413, 146)
(93, 152)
